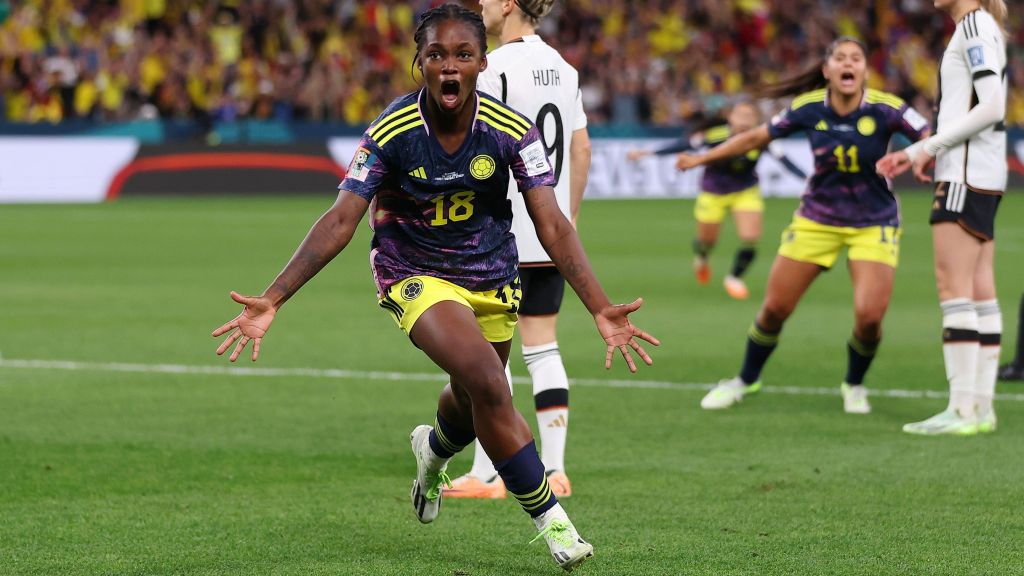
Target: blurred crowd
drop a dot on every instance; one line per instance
(662, 62)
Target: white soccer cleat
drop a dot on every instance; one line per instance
(855, 399)
(987, 423)
(728, 393)
(736, 287)
(946, 423)
(564, 542)
(426, 488)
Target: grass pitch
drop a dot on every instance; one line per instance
(111, 468)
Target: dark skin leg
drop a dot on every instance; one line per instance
(478, 397)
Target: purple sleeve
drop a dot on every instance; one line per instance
(367, 170)
(785, 123)
(529, 162)
(909, 122)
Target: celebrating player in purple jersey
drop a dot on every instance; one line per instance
(433, 169)
(846, 204)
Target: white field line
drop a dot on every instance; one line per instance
(337, 374)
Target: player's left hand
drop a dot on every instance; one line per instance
(251, 324)
(893, 164)
(686, 161)
(922, 162)
(614, 326)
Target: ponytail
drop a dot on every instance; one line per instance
(812, 78)
(997, 8)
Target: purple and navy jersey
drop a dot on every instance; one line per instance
(732, 174)
(439, 214)
(845, 190)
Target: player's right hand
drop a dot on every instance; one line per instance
(686, 161)
(634, 155)
(251, 324)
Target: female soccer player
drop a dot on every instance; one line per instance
(846, 205)
(727, 185)
(969, 151)
(434, 169)
(531, 77)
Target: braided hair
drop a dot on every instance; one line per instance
(431, 18)
(534, 10)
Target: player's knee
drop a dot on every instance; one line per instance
(869, 321)
(775, 312)
(489, 388)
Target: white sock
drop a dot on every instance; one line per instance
(990, 330)
(556, 512)
(483, 468)
(960, 351)
(551, 398)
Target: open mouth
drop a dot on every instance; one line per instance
(847, 80)
(450, 92)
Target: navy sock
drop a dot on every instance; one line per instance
(446, 440)
(701, 249)
(860, 355)
(744, 256)
(524, 477)
(1019, 358)
(760, 345)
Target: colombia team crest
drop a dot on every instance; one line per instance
(412, 289)
(481, 167)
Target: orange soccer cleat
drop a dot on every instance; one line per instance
(560, 485)
(469, 486)
(736, 288)
(702, 270)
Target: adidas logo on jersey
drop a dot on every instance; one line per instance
(821, 126)
(419, 173)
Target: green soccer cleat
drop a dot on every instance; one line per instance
(987, 423)
(426, 488)
(564, 542)
(855, 399)
(728, 393)
(946, 423)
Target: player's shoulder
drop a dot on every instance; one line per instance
(717, 134)
(809, 100)
(979, 23)
(503, 117)
(883, 99)
(526, 54)
(399, 117)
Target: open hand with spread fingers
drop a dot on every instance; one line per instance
(251, 324)
(614, 326)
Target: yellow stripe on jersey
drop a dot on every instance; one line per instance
(808, 98)
(506, 113)
(501, 124)
(717, 134)
(403, 128)
(879, 97)
(392, 120)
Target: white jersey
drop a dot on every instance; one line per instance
(977, 49)
(535, 80)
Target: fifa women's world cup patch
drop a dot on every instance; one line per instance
(359, 169)
(535, 158)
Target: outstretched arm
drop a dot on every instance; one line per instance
(325, 240)
(744, 142)
(560, 241)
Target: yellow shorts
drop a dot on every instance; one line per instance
(495, 310)
(712, 208)
(805, 240)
